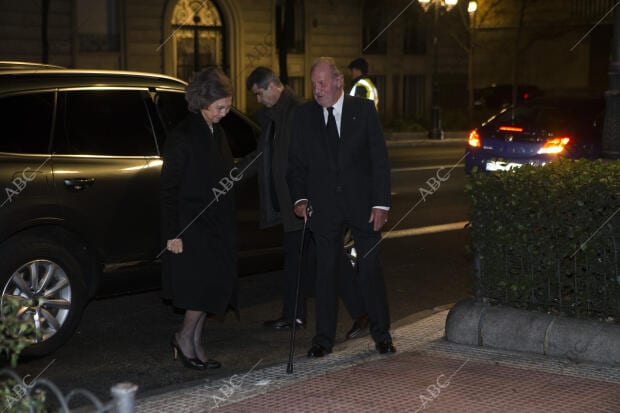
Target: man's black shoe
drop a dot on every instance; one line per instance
(212, 364)
(318, 351)
(385, 347)
(284, 324)
(359, 329)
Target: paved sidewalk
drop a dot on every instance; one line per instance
(426, 374)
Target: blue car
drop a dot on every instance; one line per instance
(537, 132)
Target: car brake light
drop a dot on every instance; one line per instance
(525, 96)
(474, 139)
(510, 129)
(554, 145)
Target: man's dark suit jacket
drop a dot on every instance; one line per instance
(360, 175)
(277, 125)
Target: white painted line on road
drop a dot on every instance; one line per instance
(432, 229)
(425, 168)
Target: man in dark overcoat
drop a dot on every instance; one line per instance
(338, 162)
(276, 121)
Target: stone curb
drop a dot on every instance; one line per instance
(476, 324)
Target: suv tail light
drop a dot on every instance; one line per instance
(474, 139)
(554, 145)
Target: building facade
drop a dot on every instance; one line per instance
(558, 45)
(504, 40)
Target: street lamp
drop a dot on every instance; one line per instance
(436, 132)
(472, 6)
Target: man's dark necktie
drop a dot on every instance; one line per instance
(332, 133)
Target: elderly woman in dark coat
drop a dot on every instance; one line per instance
(198, 216)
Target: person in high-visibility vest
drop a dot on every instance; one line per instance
(362, 85)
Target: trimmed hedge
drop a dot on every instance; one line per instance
(14, 396)
(548, 238)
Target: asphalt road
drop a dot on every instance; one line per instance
(425, 264)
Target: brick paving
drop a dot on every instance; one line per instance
(427, 374)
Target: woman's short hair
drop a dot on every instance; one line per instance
(207, 86)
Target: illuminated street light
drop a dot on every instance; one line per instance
(435, 131)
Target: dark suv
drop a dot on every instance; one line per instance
(80, 158)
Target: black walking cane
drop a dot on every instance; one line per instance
(289, 367)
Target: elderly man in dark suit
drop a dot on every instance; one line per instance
(276, 120)
(338, 163)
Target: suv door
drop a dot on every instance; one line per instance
(106, 169)
(25, 168)
(38, 271)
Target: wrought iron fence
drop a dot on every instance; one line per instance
(584, 284)
(24, 396)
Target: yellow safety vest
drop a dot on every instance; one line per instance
(369, 87)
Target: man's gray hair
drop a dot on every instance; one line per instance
(330, 62)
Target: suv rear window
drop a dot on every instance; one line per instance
(26, 122)
(562, 116)
(104, 122)
(172, 108)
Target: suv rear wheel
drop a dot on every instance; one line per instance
(45, 279)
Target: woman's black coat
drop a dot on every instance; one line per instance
(198, 206)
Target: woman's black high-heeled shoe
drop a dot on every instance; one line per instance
(192, 363)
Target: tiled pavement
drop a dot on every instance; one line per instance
(427, 374)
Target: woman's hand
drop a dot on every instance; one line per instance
(175, 246)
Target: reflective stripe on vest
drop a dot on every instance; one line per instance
(371, 90)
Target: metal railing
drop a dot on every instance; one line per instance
(123, 396)
(580, 285)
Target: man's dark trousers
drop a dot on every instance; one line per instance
(347, 285)
(372, 287)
